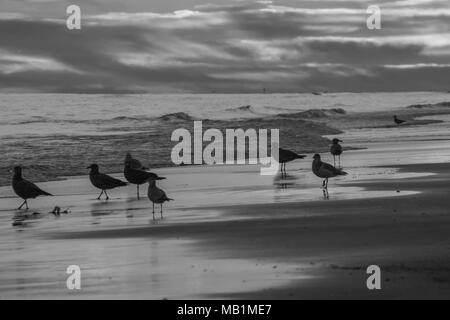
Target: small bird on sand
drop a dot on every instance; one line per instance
(25, 189)
(134, 163)
(138, 177)
(398, 121)
(286, 156)
(103, 181)
(325, 171)
(336, 150)
(157, 196)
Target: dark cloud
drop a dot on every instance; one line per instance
(235, 47)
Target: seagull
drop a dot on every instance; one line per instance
(26, 189)
(157, 196)
(325, 171)
(398, 121)
(103, 181)
(134, 163)
(286, 156)
(336, 150)
(138, 177)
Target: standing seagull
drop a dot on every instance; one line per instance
(103, 181)
(138, 177)
(398, 121)
(325, 171)
(336, 150)
(286, 156)
(25, 189)
(157, 196)
(134, 163)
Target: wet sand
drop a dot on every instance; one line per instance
(232, 233)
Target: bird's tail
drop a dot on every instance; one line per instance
(343, 173)
(161, 178)
(301, 156)
(44, 193)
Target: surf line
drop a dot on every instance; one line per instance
(189, 149)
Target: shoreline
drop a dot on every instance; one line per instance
(302, 130)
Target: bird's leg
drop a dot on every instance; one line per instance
(107, 197)
(138, 192)
(26, 204)
(326, 184)
(161, 212)
(100, 195)
(326, 195)
(153, 212)
(22, 205)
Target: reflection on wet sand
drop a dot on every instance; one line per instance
(123, 253)
(285, 181)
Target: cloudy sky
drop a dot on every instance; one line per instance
(164, 46)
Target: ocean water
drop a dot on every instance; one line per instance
(57, 135)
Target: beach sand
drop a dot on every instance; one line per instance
(232, 233)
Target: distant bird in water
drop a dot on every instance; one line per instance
(25, 189)
(286, 156)
(134, 163)
(157, 196)
(398, 121)
(138, 177)
(325, 171)
(336, 150)
(103, 181)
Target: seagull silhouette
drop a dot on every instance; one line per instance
(157, 196)
(325, 171)
(286, 156)
(138, 177)
(103, 181)
(398, 121)
(336, 150)
(26, 189)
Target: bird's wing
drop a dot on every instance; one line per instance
(336, 149)
(148, 175)
(157, 194)
(31, 189)
(106, 180)
(287, 154)
(154, 176)
(328, 168)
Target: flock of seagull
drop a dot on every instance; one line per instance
(320, 169)
(136, 173)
